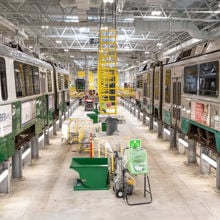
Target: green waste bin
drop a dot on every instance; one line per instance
(93, 173)
(94, 117)
(103, 126)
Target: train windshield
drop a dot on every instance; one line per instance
(208, 79)
(3, 81)
(190, 79)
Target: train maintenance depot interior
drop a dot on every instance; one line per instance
(109, 109)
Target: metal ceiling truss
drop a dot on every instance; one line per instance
(46, 21)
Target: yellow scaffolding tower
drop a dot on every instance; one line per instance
(107, 71)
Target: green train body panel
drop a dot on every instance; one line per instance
(7, 147)
(167, 117)
(186, 124)
(149, 108)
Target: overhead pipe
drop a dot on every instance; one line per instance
(9, 25)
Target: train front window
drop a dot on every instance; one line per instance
(167, 85)
(19, 79)
(208, 79)
(190, 79)
(3, 80)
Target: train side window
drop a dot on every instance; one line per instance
(3, 80)
(167, 85)
(190, 79)
(149, 86)
(49, 81)
(28, 79)
(156, 85)
(19, 79)
(208, 79)
(66, 81)
(59, 77)
(36, 80)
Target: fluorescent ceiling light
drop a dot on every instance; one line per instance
(129, 19)
(66, 50)
(44, 27)
(156, 13)
(106, 1)
(58, 41)
(159, 44)
(84, 30)
(72, 19)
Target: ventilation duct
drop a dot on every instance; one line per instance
(142, 27)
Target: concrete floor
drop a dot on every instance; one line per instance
(46, 190)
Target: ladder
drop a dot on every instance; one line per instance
(107, 76)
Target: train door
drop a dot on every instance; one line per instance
(176, 105)
(43, 106)
(166, 115)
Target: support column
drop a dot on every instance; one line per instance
(218, 173)
(34, 147)
(139, 114)
(54, 127)
(60, 121)
(181, 144)
(205, 167)
(172, 138)
(134, 111)
(144, 117)
(130, 108)
(5, 184)
(191, 153)
(26, 154)
(57, 124)
(160, 129)
(151, 122)
(17, 164)
(46, 135)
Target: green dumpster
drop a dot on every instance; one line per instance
(94, 117)
(93, 173)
